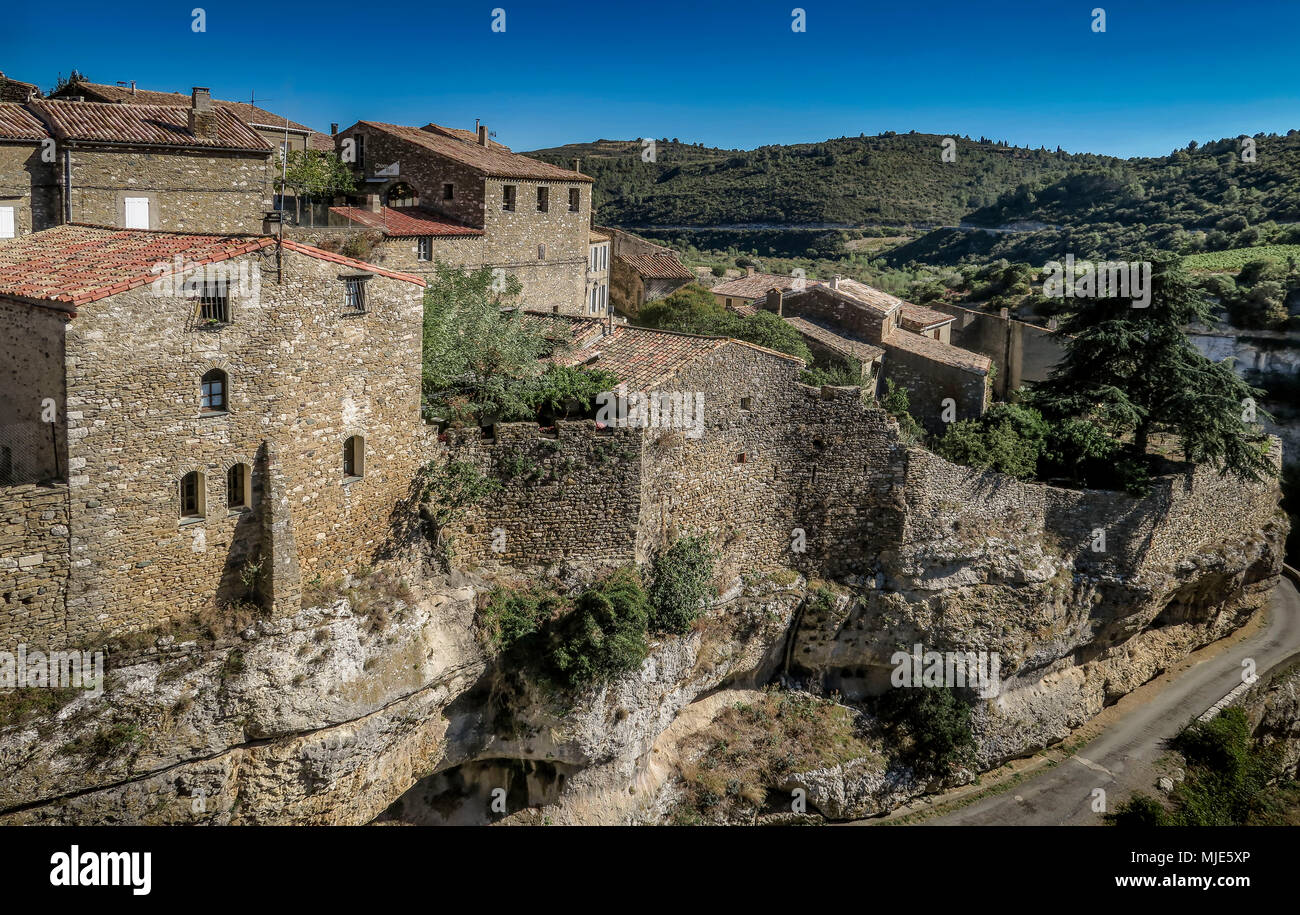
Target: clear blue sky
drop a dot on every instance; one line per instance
(729, 74)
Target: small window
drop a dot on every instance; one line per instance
(742, 458)
(191, 496)
(354, 457)
(728, 302)
(214, 301)
(746, 403)
(354, 295)
(543, 199)
(508, 198)
(238, 496)
(603, 300)
(213, 390)
(424, 248)
(449, 192)
(575, 200)
(541, 252)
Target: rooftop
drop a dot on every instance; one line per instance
(404, 221)
(845, 346)
(658, 266)
(17, 123)
(918, 317)
(571, 330)
(875, 299)
(943, 353)
(125, 95)
(146, 125)
(756, 285)
(493, 161)
(76, 264)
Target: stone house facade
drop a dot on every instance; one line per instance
(533, 218)
(641, 271)
(597, 297)
(235, 417)
(29, 174)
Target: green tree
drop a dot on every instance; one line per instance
(315, 175)
(1133, 370)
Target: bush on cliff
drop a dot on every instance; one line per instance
(929, 726)
(680, 578)
(1008, 438)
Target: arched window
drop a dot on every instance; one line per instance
(238, 491)
(403, 195)
(354, 458)
(213, 390)
(192, 496)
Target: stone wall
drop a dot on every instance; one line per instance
(32, 448)
(34, 565)
(302, 377)
(821, 306)
(1021, 352)
(568, 496)
(207, 191)
(30, 186)
(929, 382)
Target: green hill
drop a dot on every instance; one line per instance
(887, 180)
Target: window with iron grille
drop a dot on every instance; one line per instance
(354, 295)
(214, 301)
(424, 248)
(508, 197)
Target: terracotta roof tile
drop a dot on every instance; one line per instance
(658, 266)
(875, 299)
(756, 285)
(123, 95)
(572, 330)
(148, 125)
(643, 358)
(918, 317)
(494, 161)
(17, 123)
(405, 221)
(76, 263)
(943, 353)
(863, 352)
(321, 142)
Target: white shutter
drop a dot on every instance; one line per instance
(137, 213)
(6, 222)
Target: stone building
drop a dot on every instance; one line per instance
(196, 168)
(231, 418)
(597, 298)
(533, 219)
(641, 271)
(753, 286)
(895, 340)
(12, 90)
(282, 134)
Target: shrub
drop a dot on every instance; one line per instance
(896, 404)
(604, 635)
(1008, 438)
(451, 487)
(930, 725)
(679, 584)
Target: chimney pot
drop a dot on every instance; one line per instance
(133, 87)
(835, 281)
(577, 165)
(334, 129)
(482, 135)
(749, 271)
(201, 99)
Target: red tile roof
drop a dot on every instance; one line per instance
(863, 352)
(493, 161)
(657, 266)
(877, 300)
(572, 330)
(756, 285)
(77, 264)
(643, 359)
(943, 353)
(405, 221)
(147, 125)
(321, 142)
(124, 95)
(918, 317)
(457, 133)
(17, 123)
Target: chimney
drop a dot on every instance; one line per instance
(372, 203)
(482, 135)
(334, 130)
(133, 87)
(835, 281)
(203, 120)
(775, 300)
(577, 165)
(749, 271)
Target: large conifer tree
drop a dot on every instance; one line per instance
(1134, 370)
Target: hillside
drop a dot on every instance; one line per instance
(1203, 198)
(887, 180)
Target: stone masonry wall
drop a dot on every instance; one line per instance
(573, 496)
(303, 377)
(34, 565)
(30, 186)
(32, 449)
(188, 191)
(929, 383)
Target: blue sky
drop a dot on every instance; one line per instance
(730, 74)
